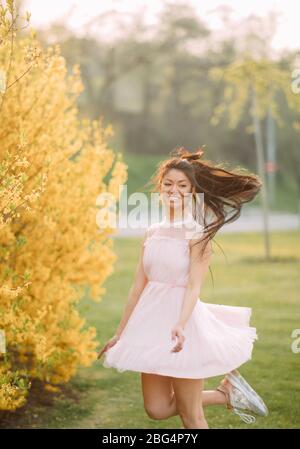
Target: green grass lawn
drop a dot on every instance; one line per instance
(101, 397)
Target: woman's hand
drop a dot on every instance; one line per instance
(177, 331)
(108, 345)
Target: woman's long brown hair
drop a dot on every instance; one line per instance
(225, 191)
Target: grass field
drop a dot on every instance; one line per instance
(101, 397)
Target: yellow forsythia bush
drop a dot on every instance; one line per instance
(52, 169)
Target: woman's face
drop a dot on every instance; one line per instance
(174, 187)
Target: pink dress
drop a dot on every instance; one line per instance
(218, 338)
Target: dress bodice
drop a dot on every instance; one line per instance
(167, 250)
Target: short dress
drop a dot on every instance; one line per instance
(218, 337)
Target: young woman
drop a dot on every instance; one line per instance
(164, 303)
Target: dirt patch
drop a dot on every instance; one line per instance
(34, 413)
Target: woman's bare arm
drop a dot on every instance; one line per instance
(197, 272)
(138, 285)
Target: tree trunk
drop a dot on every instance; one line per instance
(261, 172)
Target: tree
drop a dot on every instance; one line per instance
(256, 84)
(53, 166)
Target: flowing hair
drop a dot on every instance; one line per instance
(225, 191)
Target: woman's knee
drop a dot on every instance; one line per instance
(193, 421)
(155, 411)
(190, 414)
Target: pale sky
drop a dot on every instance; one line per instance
(77, 13)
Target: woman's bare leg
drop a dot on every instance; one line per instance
(188, 394)
(160, 400)
(209, 397)
(213, 397)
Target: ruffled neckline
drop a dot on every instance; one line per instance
(188, 219)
